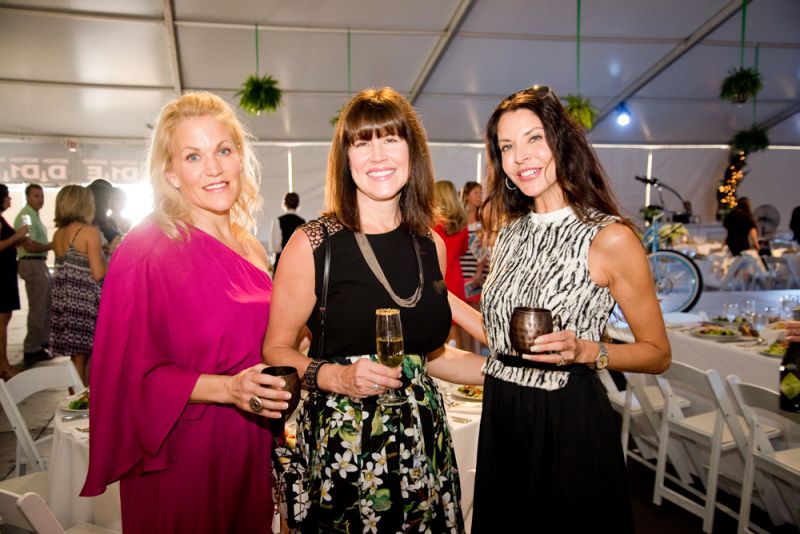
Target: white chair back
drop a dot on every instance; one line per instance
(774, 475)
(28, 512)
(61, 374)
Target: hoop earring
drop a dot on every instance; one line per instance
(509, 187)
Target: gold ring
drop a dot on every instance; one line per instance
(560, 362)
(255, 404)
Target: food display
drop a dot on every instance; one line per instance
(777, 349)
(713, 330)
(471, 392)
(81, 402)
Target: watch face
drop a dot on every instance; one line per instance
(602, 362)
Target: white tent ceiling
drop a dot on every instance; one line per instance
(100, 69)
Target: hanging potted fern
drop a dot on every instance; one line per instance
(752, 140)
(741, 85)
(259, 93)
(581, 110)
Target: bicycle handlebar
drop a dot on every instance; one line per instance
(687, 206)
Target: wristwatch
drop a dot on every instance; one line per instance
(601, 362)
(312, 371)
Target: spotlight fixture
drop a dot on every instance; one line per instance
(623, 115)
(72, 145)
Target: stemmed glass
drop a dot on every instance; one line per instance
(788, 304)
(760, 321)
(749, 309)
(389, 341)
(731, 311)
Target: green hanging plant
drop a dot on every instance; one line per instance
(752, 140)
(741, 84)
(260, 94)
(650, 212)
(334, 120)
(582, 110)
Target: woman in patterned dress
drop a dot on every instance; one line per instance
(79, 269)
(374, 468)
(548, 430)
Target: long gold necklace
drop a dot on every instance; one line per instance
(375, 267)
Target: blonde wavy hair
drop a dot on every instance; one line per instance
(450, 208)
(171, 210)
(74, 204)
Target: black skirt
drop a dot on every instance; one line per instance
(550, 461)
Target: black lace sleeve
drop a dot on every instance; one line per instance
(313, 230)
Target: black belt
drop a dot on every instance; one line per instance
(40, 258)
(511, 360)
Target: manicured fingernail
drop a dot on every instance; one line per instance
(285, 405)
(535, 348)
(287, 396)
(283, 383)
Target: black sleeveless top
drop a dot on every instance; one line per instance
(354, 293)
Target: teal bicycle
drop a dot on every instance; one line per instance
(677, 278)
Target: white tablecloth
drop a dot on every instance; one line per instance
(69, 463)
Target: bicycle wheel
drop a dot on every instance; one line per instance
(678, 280)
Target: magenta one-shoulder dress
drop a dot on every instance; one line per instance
(170, 311)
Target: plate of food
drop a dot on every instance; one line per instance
(472, 393)
(77, 403)
(776, 350)
(717, 333)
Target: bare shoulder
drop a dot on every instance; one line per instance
(616, 238)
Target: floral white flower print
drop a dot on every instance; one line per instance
(325, 489)
(380, 461)
(342, 463)
(371, 524)
(369, 477)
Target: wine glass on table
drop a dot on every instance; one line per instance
(760, 322)
(731, 311)
(788, 304)
(389, 342)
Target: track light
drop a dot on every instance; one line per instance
(623, 115)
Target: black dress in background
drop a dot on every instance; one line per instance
(9, 290)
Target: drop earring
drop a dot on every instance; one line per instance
(510, 187)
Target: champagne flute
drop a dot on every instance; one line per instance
(389, 341)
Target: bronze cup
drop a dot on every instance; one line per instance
(526, 325)
(289, 375)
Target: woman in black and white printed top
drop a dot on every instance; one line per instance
(549, 455)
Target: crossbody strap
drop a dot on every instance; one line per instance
(323, 304)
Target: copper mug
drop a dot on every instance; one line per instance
(527, 324)
(292, 380)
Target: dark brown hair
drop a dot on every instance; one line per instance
(380, 112)
(578, 171)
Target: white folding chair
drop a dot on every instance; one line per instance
(641, 419)
(774, 474)
(61, 374)
(696, 434)
(29, 511)
(744, 272)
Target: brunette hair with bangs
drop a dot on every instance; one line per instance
(578, 171)
(380, 112)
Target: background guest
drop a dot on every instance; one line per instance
(179, 405)
(102, 191)
(9, 289)
(794, 224)
(32, 254)
(741, 227)
(376, 468)
(475, 261)
(284, 226)
(116, 205)
(452, 228)
(79, 268)
(548, 429)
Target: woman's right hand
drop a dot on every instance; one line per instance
(251, 383)
(359, 380)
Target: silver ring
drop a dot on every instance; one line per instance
(255, 404)
(376, 387)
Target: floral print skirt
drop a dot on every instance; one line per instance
(376, 469)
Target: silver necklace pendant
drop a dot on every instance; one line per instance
(375, 267)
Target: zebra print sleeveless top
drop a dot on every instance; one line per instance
(541, 260)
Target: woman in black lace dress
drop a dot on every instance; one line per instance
(374, 468)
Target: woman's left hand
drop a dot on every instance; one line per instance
(561, 348)
(253, 391)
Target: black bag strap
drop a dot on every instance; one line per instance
(323, 303)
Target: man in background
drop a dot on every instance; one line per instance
(32, 256)
(284, 226)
